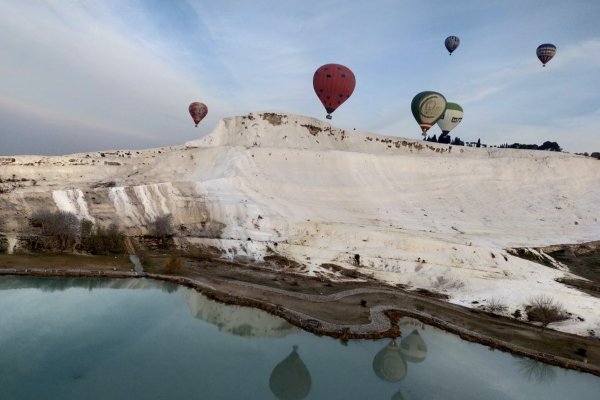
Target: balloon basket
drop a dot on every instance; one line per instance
(328, 116)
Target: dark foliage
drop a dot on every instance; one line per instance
(161, 227)
(61, 228)
(458, 142)
(444, 138)
(547, 145)
(100, 240)
(545, 310)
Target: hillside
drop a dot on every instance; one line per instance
(425, 215)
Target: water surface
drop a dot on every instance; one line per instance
(138, 339)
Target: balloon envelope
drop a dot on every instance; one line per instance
(451, 43)
(427, 107)
(333, 84)
(451, 117)
(545, 52)
(198, 111)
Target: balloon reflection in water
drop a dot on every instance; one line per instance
(389, 364)
(290, 379)
(413, 347)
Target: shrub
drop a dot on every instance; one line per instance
(100, 240)
(3, 244)
(162, 227)
(496, 305)
(545, 310)
(62, 226)
(443, 283)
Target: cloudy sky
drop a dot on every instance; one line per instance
(82, 75)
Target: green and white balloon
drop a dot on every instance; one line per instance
(427, 107)
(451, 117)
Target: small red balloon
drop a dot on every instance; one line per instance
(333, 84)
(198, 111)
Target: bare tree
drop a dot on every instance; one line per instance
(162, 227)
(61, 225)
(100, 240)
(496, 305)
(544, 309)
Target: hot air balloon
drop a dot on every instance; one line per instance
(451, 43)
(545, 52)
(198, 111)
(427, 108)
(333, 84)
(450, 118)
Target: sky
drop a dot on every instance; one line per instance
(86, 75)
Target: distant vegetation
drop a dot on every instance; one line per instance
(550, 146)
(100, 240)
(547, 145)
(64, 231)
(595, 154)
(61, 230)
(161, 228)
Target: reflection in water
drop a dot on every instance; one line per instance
(290, 379)
(388, 364)
(51, 284)
(536, 371)
(239, 321)
(413, 347)
(114, 344)
(398, 396)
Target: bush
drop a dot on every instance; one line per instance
(496, 305)
(62, 226)
(162, 227)
(545, 310)
(100, 240)
(3, 244)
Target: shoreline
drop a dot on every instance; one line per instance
(382, 318)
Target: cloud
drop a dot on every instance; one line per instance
(67, 62)
(129, 68)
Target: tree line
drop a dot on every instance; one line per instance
(547, 145)
(64, 231)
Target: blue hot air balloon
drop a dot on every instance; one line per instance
(452, 43)
(545, 52)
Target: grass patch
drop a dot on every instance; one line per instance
(65, 261)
